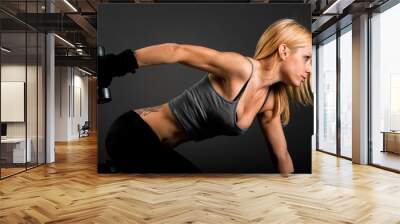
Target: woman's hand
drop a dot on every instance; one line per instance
(285, 165)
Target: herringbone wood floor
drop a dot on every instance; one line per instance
(71, 191)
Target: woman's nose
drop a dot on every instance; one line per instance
(308, 69)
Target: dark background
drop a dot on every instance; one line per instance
(224, 27)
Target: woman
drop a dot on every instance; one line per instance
(225, 102)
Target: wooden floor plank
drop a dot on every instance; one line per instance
(71, 191)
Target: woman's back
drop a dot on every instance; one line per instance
(202, 111)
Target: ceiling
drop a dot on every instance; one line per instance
(75, 21)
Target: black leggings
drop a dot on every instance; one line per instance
(134, 147)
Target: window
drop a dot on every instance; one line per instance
(346, 92)
(327, 95)
(385, 88)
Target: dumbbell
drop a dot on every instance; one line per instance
(103, 91)
(110, 66)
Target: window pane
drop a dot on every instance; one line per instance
(31, 98)
(327, 96)
(41, 98)
(13, 87)
(313, 88)
(385, 89)
(346, 93)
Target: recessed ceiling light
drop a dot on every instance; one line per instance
(86, 72)
(338, 6)
(64, 40)
(5, 49)
(70, 5)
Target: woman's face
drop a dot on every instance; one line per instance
(296, 66)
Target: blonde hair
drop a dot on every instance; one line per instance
(294, 35)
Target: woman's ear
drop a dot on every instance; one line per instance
(283, 51)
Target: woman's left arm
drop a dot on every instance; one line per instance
(273, 133)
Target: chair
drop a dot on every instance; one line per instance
(84, 130)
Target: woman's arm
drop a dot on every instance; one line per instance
(156, 54)
(273, 133)
(218, 63)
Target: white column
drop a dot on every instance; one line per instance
(360, 90)
(50, 93)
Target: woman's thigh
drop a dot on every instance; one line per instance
(133, 147)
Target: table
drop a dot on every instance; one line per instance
(391, 141)
(17, 150)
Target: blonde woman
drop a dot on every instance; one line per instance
(236, 90)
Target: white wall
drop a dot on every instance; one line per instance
(33, 126)
(61, 103)
(15, 72)
(80, 84)
(71, 93)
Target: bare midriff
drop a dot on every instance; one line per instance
(164, 124)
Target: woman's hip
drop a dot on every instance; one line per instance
(132, 145)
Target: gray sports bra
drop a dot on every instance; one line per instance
(203, 113)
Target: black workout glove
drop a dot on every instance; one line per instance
(112, 65)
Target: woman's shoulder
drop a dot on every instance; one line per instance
(269, 103)
(242, 66)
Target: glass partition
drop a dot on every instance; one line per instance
(385, 89)
(327, 95)
(346, 92)
(22, 88)
(13, 96)
(41, 91)
(31, 100)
